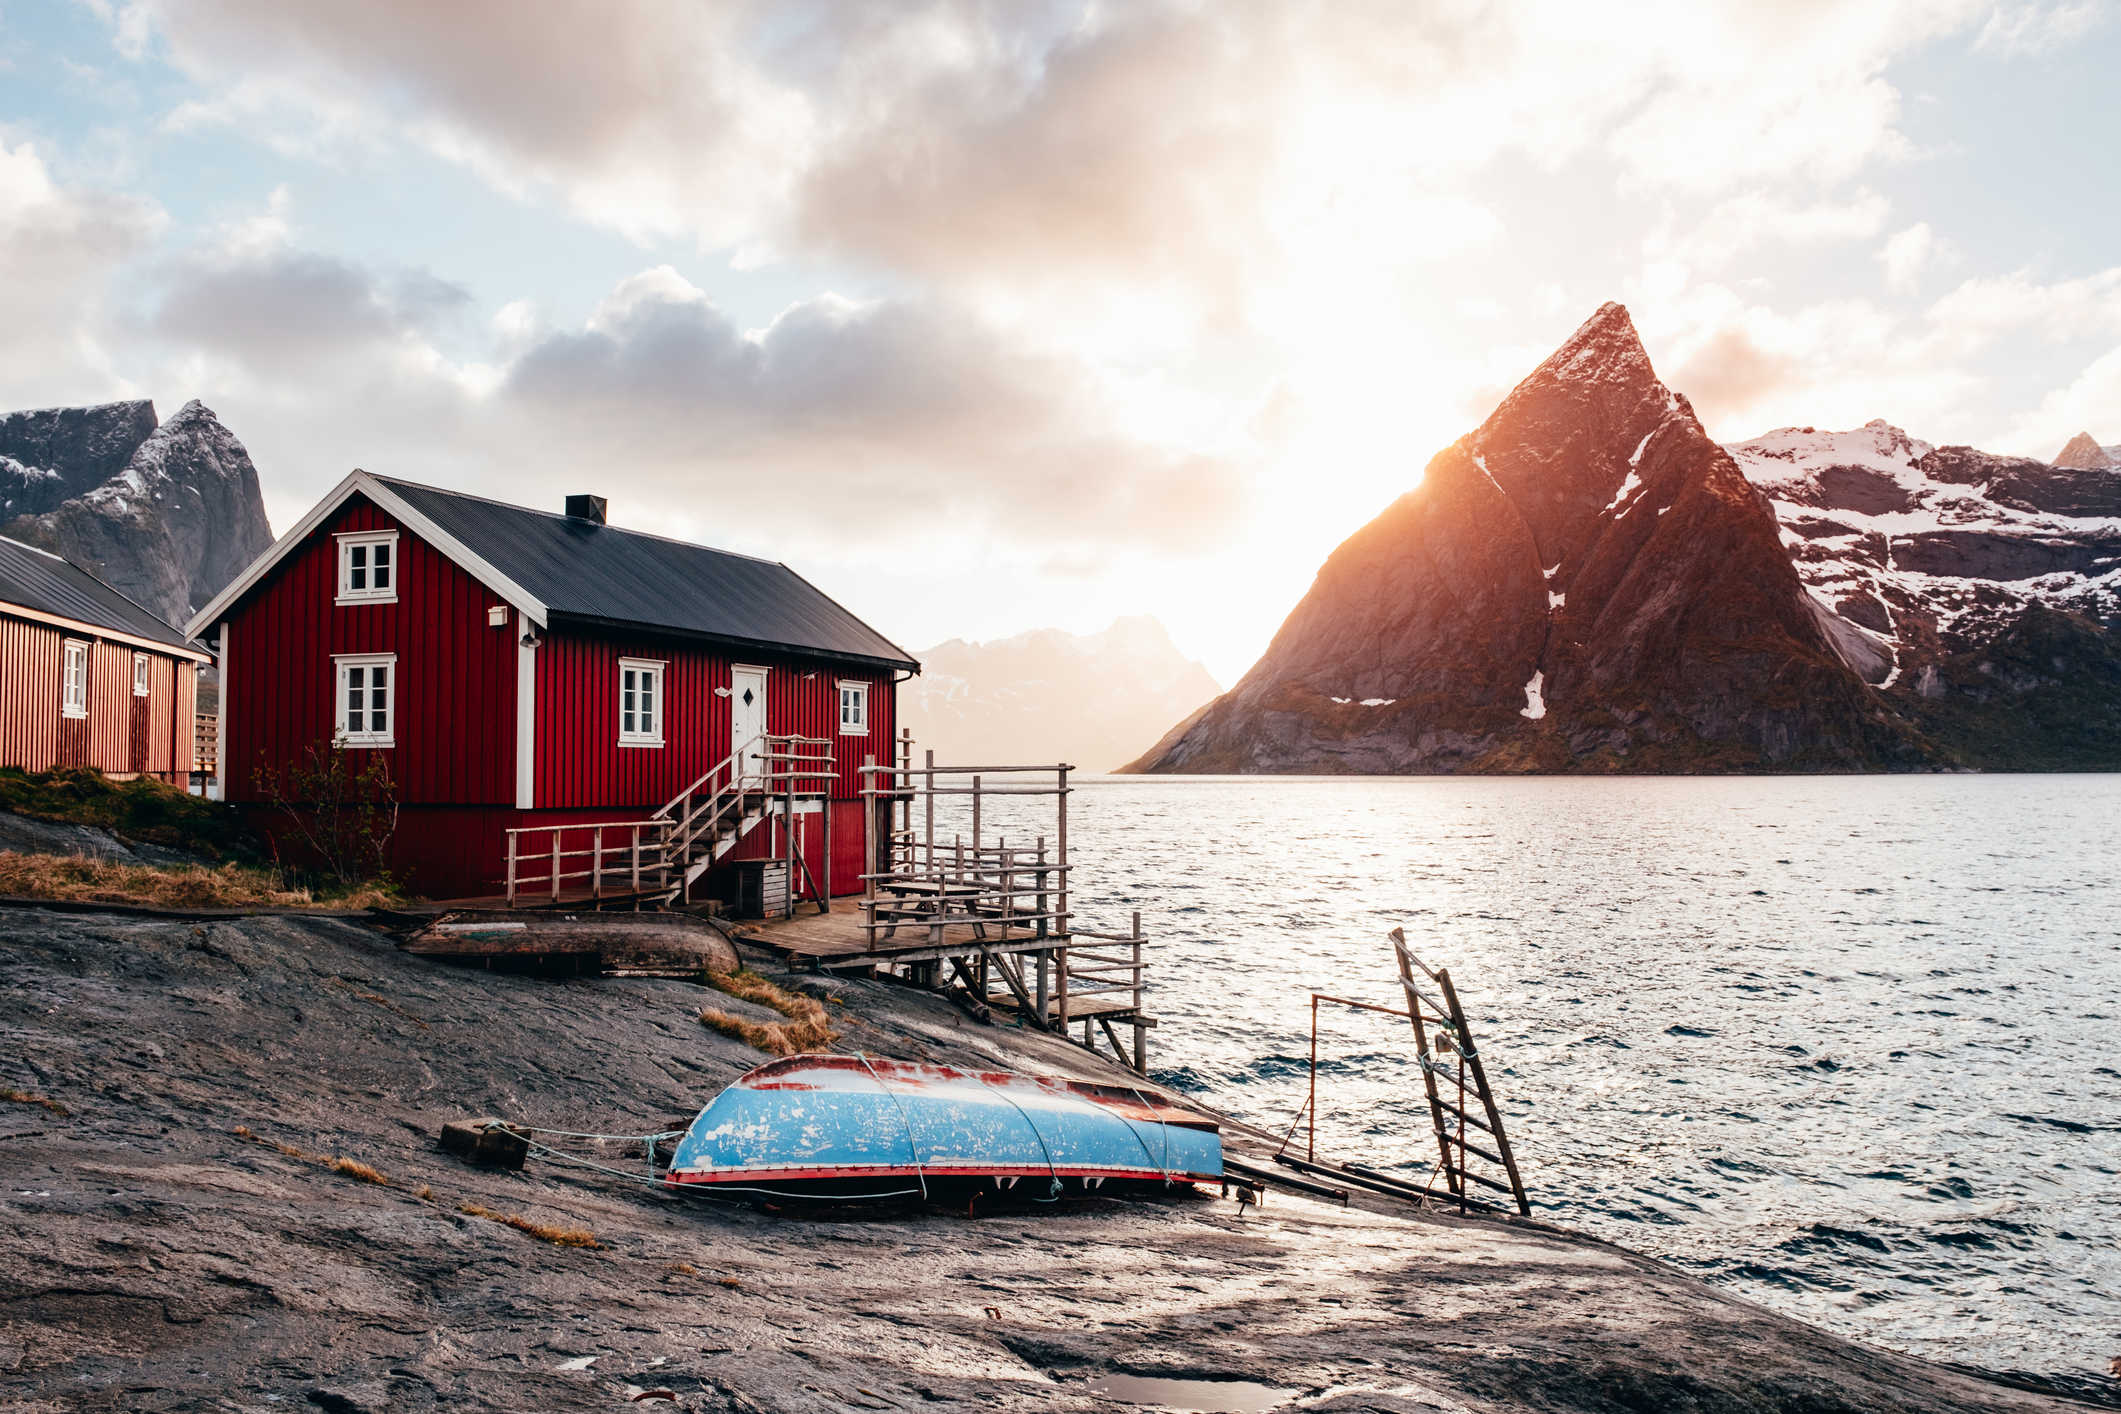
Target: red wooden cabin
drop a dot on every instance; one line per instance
(520, 669)
(88, 677)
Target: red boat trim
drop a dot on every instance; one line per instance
(955, 1171)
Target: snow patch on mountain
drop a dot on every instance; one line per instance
(1893, 534)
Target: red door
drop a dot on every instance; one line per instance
(139, 751)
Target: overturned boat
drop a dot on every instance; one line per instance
(829, 1126)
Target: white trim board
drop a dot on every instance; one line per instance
(360, 482)
(526, 715)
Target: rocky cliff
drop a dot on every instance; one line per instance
(165, 513)
(1980, 594)
(1093, 700)
(1588, 582)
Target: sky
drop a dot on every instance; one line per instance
(999, 316)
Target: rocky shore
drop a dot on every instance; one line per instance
(194, 1221)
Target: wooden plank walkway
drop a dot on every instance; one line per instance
(1095, 1007)
(840, 939)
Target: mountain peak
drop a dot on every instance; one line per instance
(1602, 345)
(2083, 454)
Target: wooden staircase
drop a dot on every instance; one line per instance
(660, 858)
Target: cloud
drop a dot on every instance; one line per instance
(2089, 402)
(1910, 254)
(1742, 224)
(1987, 307)
(853, 422)
(1026, 143)
(2021, 30)
(59, 248)
(895, 415)
(291, 311)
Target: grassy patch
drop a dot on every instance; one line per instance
(73, 878)
(807, 1027)
(544, 1232)
(352, 1168)
(24, 1097)
(142, 809)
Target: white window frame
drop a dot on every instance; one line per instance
(858, 725)
(143, 674)
(76, 657)
(648, 732)
(367, 541)
(343, 666)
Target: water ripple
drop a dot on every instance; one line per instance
(1843, 1045)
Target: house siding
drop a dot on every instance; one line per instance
(454, 706)
(122, 734)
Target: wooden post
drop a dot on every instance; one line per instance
(636, 856)
(1044, 990)
(558, 833)
(1141, 1032)
(596, 862)
(788, 798)
(825, 874)
(1311, 1105)
(1045, 924)
(1066, 923)
(512, 845)
(975, 818)
(928, 863)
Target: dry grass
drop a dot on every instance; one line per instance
(806, 1029)
(547, 1232)
(337, 1163)
(24, 1097)
(354, 1168)
(73, 878)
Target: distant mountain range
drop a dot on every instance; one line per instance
(1092, 700)
(165, 513)
(1587, 582)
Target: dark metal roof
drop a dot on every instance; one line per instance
(602, 575)
(39, 580)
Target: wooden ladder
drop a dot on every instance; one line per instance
(1453, 1060)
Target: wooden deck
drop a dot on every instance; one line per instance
(840, 939)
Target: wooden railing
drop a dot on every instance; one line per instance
(606, 859)
(767, 775)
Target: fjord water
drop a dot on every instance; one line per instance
(1849, 1046)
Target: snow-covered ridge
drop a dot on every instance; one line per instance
(1892, 534)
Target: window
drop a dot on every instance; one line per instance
(73, 685)
(854, 709)
(640, 702)
(367, 688)
(140, 671)
(368, 567)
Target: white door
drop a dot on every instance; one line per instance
(747, 719)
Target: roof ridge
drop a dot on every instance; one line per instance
(38, 549)
(559, 515)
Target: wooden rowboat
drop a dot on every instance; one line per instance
(825, 1125)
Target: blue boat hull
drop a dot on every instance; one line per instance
(820, 1119)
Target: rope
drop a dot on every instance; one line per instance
(1053, 1193)
(1162, 1124)
(903, 1118)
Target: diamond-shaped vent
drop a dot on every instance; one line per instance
(747, 697)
